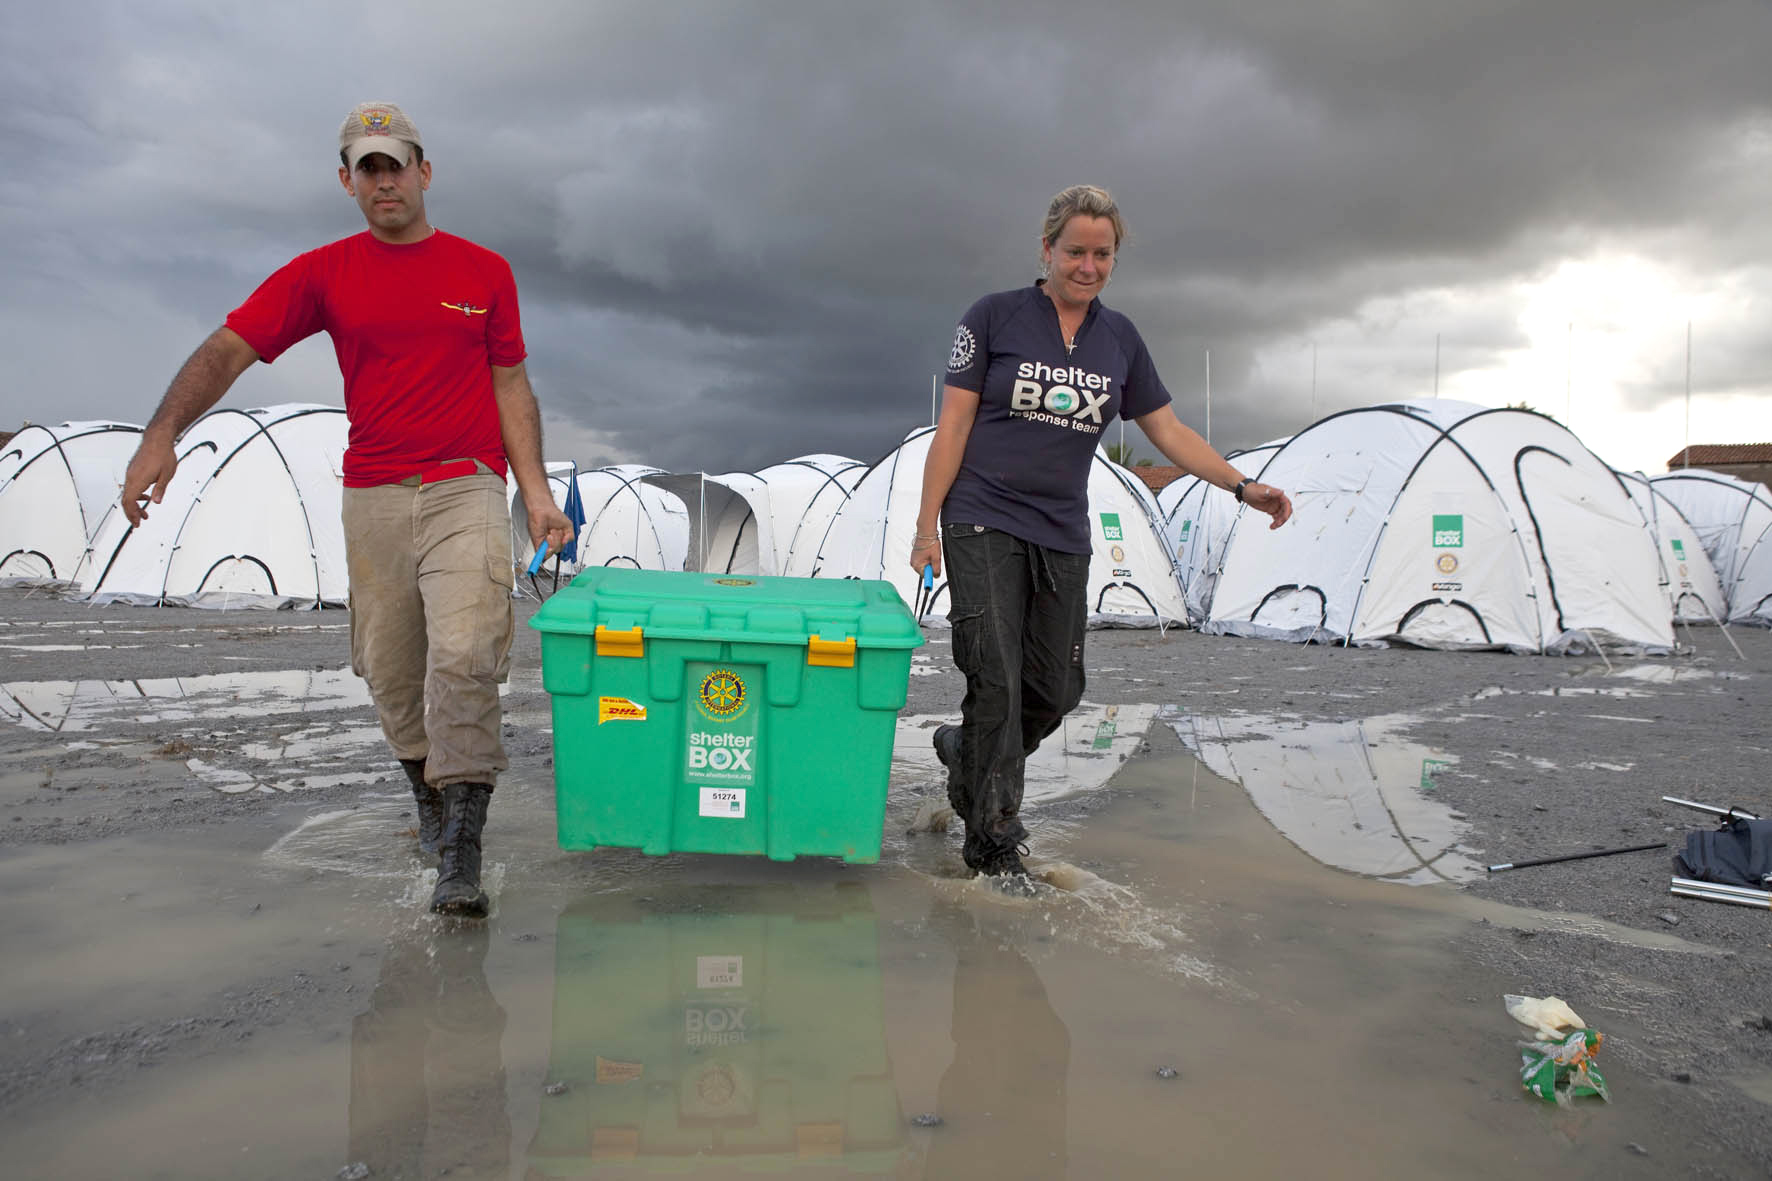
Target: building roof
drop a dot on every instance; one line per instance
(1704, 454)
(1157, 478)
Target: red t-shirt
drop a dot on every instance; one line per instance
(416, 329)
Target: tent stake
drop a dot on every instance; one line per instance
(1574, 857)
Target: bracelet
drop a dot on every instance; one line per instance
(1238, 490)
(925, 538)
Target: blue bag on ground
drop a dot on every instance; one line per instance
(1737, 854)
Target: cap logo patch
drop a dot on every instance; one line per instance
(376, 122)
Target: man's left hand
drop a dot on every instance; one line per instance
(547, 523)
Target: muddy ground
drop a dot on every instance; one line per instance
(1547, 756)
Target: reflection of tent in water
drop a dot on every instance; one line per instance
(99, 705)
(251, 519)
(55, 485)
(743, 1030)
(1349, 794)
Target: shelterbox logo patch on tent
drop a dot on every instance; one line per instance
(1448, 530)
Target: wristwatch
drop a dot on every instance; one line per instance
(1238, 490)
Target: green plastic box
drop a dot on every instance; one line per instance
(713, 713)
(723, 1031)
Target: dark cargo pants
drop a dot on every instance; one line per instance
(1017, 611)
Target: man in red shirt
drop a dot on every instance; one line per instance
(428, 336)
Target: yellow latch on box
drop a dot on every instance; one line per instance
(628, 643)
(831, 653)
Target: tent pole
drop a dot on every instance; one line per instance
(1722, 626)
(1686, 452)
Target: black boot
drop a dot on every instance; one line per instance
(1000, 861)
(430, 806)
(458, 873)
(947, 750)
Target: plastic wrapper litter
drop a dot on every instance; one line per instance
(1561, 1070)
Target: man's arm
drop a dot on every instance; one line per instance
(519, 422)
(1187, 450)
(201, 382)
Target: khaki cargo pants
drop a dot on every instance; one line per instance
(431, 622)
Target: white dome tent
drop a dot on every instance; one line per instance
(1444, 525)
(1131, 577)
(251, 519)
(1196, 519)
(56, 484)
(627, 522)
(1733, 520)
(730, 528)
(804, 495)
(1688, 577)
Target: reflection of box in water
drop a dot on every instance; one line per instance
(723, 714)
(744, 1029)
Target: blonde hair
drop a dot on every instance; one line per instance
(1084, 200)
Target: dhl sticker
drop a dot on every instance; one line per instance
(619, 709)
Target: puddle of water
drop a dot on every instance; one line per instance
(1081, 756)
(1353, 795)
(232, 760)
(75, 647)
(70, 706)
(732, 1016)
(1757, 1086)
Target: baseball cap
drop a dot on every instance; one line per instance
(377, 127)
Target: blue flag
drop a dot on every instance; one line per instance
(575, 512)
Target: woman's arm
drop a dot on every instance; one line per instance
(1184, 448)
(958, 410)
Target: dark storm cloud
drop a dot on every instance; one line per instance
(744, 231)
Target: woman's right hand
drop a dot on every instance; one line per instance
(926, 553)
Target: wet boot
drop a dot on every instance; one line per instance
(430, 806)
(947, 750)
(995, 859)
(458, 872)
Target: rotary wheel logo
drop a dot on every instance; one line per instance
(722, 693)
(960, 359)
(1447, 563)
(716, 1085)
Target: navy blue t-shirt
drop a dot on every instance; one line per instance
(1041, 412)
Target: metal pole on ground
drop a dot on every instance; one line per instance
(1573, 857)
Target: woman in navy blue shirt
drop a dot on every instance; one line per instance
(1034, 377)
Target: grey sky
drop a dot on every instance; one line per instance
(743, 231)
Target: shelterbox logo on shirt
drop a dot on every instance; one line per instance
(1074, 398)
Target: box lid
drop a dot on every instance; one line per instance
(760, 609)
